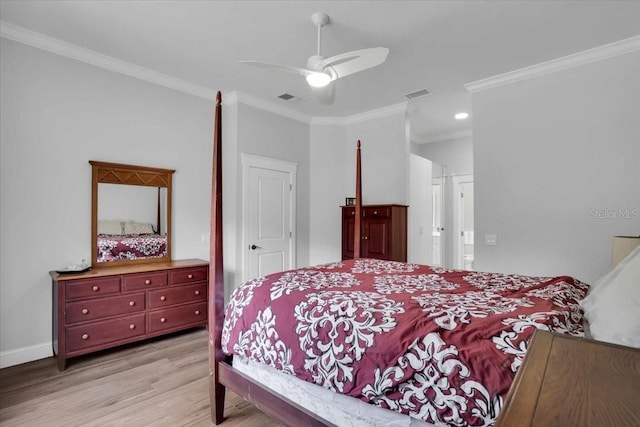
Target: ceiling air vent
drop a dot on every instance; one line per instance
(291, 99)
(417, 94)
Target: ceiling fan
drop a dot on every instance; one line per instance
(321, 73)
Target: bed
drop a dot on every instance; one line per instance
(400, 343)
(118, 240)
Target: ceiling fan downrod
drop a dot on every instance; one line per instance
(320, 20)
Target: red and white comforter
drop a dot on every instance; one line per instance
(439, 345)
(113, 247)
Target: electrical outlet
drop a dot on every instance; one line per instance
(205, 237)
(490, 239)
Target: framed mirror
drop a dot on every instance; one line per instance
(130, 214)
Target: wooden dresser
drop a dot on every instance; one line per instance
(107, 307)
(384, 232)
(567, 381)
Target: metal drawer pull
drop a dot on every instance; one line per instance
(190, 276)
(85, 336)
(197, 292)
(132, 326)
(375, 212)
(147, 282)
(197, 312)
(85, 311)
(163, 298)
(162, 320)
(132, 303)
(96, 288)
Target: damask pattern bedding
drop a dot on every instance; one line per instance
(113, 247)
(439, 345)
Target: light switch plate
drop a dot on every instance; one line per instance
(490, 239)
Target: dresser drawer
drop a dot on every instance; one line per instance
(177, 295)
(144, 281)
(91, 309)
(175, 317)
(376, 212)
(348, 212)
(97, 333)
(188, 275)
(92, 288)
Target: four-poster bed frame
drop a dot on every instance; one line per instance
(502, 310)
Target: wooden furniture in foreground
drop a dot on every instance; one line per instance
(103, 308)
(567, 381)
(383, 233)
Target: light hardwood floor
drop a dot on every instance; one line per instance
(160, 382)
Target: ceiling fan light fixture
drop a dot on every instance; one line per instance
(318, 79)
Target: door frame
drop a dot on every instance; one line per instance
(458, 180)
(252, 161)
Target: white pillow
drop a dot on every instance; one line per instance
(137, 228)
(613, 306)
(110, 226)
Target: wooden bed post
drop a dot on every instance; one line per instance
(216, 275)
(357, 237)
(158, 215)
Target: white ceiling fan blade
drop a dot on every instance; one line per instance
(325, 95)
(354, 61)
(287, 68)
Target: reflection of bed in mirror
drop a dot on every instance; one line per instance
(131, 215)
(141, 241)
(131, 222)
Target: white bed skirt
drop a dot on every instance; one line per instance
(341, 410)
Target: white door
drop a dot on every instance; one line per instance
(463, 216)
(269, 216)
(438, 206)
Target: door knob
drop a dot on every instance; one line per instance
(254, 247)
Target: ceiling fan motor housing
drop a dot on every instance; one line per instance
(315, 63)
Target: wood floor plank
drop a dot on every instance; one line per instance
(160, 382)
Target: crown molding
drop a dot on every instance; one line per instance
(361, 117)
(238, 97)
(377, 113)
(620, 47)
(49, 44)
(465, 133)
(329, 121)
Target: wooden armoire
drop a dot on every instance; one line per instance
(383, 233)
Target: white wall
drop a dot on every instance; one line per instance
(456, 154)
(385, 172)
(420, 214)
(57, 114)
(328, 147)
(385, 158)
(551, 154)
(135, 203)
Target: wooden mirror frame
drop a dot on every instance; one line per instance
(115, 173)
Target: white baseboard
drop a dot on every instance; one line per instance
(25, 354)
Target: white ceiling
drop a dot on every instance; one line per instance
(434, 45)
